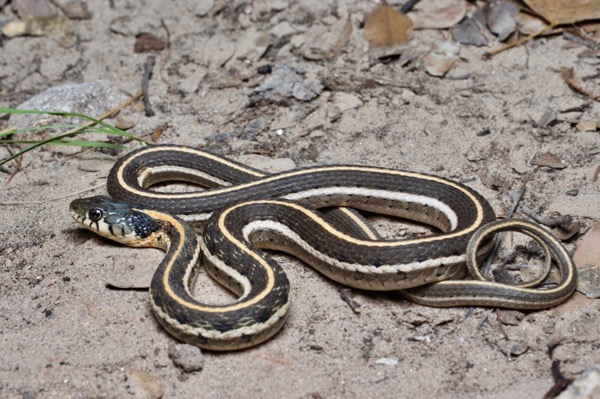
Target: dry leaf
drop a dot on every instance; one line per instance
(587, 126)
(76, 10)
(156, 134)
(588, 251)
(147, 42)
(124, 123)
(530, 24)
(37, 26)
(439, 60)
(286, 82)
(568, 76)
(588, 281)
(550, 160)
(500, 16)
(33, 8)
(252, 45)
(429, 15)
(327, 42)
(568, 233)
(547, 118)
(387, 30)
(577, 301)
(199, 7)
(473, 30)
(560, 12)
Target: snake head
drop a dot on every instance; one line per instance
(116, 220)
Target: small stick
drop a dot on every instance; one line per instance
(51, 199)
(408, 6)
(562, 222)
(501, 325)
(490, 54)
(490, 257)
(509, 214)
(569, 77)
(145, 82)
(579, 38)
(560, 381)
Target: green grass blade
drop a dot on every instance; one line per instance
(113, 129)
(103, 127)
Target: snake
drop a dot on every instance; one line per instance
(242, 213)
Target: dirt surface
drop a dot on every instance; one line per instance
(64, 333)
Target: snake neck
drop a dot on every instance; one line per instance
(160, 230)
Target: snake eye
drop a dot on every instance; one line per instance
(96, 214)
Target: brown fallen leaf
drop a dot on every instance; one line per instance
(440, 58)
(577, 301)
(530, 24)
(387, 31)
(587, 126)
(550, 160)
(588, 250)
(556, 12)
(559, 12)
(147, 42)
(568, 233)
(123, 123)
(157, 133)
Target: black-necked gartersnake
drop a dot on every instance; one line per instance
(245, 211)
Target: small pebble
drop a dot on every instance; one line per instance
(573, 193)
(189, 358)
(513, 348)
(387, 361)
(144, 385)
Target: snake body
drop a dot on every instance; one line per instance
(245, 211)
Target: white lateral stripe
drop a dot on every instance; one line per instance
(383, 194)
(260, 225)
(229, 271)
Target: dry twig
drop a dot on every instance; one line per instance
(52, 199)
(522, 40)
(569, 77)
(145, 82)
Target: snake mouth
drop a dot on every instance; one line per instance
(77, 217)
(81, 210)
(77, 210)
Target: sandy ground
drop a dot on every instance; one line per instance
(64, 333)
